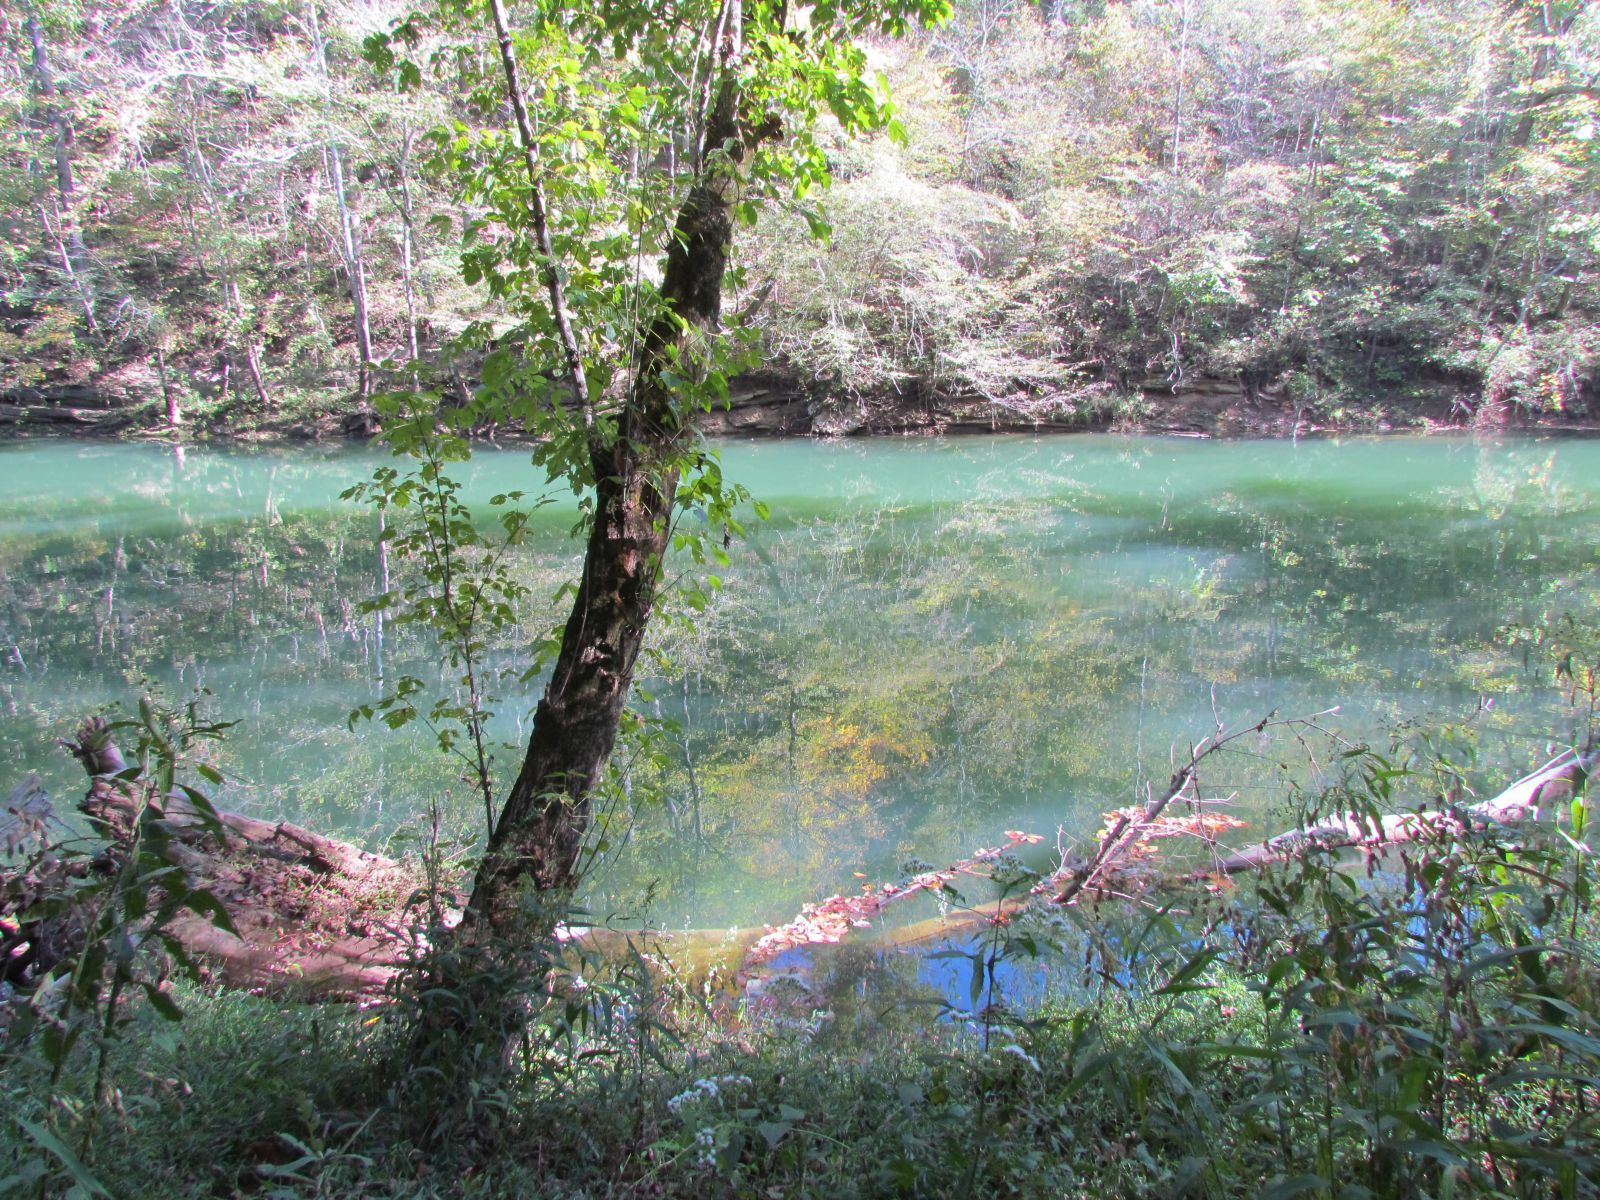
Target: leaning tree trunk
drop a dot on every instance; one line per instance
(539, 834)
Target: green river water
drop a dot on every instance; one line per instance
(928, 643)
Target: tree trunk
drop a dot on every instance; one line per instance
(539, 835)
(355, 270)
(170, 397)
(49, 113)
(227, 277)
(64, 232)
(349, 246)
(408, 242)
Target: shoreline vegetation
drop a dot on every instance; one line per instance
(362, 932)
(768, 405)
(1221, 1048)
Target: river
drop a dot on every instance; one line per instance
(929, 642)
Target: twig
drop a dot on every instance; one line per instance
(1127, 827)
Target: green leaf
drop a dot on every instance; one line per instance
(203, 902)
(1180, 981)
(1293, 1185)
(162, 1002)
(81, 1174)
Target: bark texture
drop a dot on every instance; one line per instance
(313, 918)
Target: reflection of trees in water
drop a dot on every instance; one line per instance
(874, 681)
(240, 576)
(921, 673)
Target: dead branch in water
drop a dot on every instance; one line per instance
(1524, 800)
(1130, 826)
(319, 918)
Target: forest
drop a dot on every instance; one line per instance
(1358, 214)
(450, 748)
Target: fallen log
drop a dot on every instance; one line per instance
(832, 919)
(1123, 860)
(1524, 800)
(1131, 828)
(318, 918)
(313, 917)
(24, 879)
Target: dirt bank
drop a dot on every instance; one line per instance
(776, 404)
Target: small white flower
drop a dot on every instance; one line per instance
(1018, 1052)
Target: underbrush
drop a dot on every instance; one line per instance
(248, 1097)
(1423, 1022)
(1427, 1032)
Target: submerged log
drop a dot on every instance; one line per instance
(1124, 863)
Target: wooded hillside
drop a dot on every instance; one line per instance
(1347, 211)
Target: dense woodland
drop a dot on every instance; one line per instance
(304, 216)
(1353, 210)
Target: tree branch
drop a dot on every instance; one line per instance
(1521, 801)
(541, 219)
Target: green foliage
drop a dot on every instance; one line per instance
(110, 900)
(1144, 194)
(458, 581)
(1070, 202)
(1432, 1028)
(1426, 1026)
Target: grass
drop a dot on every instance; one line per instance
(249, 1097)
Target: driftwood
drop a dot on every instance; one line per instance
(318, 918)
(832, 919)
(1524, 800)
(1130, 828)
(1122, 863)
(315, 917)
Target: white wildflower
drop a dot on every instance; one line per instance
(705, 1147)
(1018, 1052)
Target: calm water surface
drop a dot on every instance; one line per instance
(928, 643)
